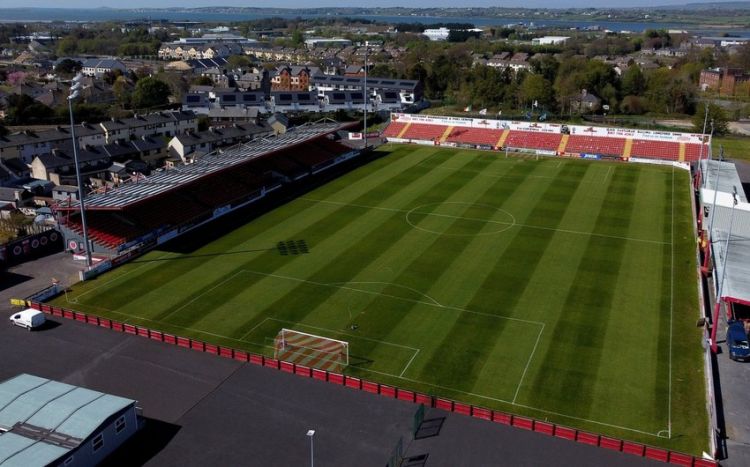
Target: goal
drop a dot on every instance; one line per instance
(311, 350)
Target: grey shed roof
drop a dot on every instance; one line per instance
(737, 279)
(45, 419)
(727, 176)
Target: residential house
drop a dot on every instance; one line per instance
(58, 165)
(204, 142)
(31, 143)
(293, 78)
(15, 196)
(98, 67)
(168, 123)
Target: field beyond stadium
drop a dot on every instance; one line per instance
(557, 288)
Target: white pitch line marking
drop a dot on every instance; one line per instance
(389, 283)
(202, 294)
(671, 313)
(409, 363)
(528, 226)
(526, 368)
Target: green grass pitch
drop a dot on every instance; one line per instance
(556, 288)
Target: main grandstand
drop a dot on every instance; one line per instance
(158, 208)
(546, 138)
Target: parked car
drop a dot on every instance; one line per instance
(737, 343)
(29, 319)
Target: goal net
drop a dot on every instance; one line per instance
(311, 350)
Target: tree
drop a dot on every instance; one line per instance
(632, 105)
(202, 81)
(68, 67)
(715, 114)
(536, 89)
(633, 82)
(23, 110)
(150, 92)
(238, 62)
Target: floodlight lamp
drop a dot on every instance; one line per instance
(73, 96)
(310, 433)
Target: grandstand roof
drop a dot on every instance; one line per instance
(728, 178)
(133, 193)
(737, 279)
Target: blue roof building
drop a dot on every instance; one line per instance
(45, 422)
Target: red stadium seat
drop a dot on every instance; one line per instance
(481, 136)
(595, 145)
(533, 140)
(655, 149)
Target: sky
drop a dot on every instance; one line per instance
(331, 3)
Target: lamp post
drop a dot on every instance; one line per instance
(74, 92)
(367, 98)
(311, 434)
(709, 152)
(703, 135)
(717, 308)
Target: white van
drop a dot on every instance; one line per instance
(28, 318)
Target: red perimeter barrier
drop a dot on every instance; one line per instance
(370, 387)
(523, 422)
(588, 438)
(271, 363)
(354, 383)
(657, 454)
(423, 399)
(387, 391)
(593, 439)
(633, 448)
(502, 417)
(480, 412)
(544, 427)
(198, 345)
(241, 356)
(463, 409)
(610, 443)
(335, 378)
(698, 462)
(444, 404)
(680, 459)
(565, 433)
(404, 395)
(302, 371)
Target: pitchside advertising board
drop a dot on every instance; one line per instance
(668, 136)
(31, 247)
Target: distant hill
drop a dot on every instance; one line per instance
(726, 6)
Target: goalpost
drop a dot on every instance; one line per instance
(311, 350)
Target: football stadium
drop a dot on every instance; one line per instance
(544, 270)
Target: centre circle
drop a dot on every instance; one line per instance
(439, 218)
